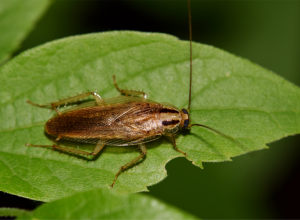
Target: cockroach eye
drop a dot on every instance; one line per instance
(185, 111)
(186, 123)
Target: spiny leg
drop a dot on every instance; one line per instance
(174, 145)
(96, 150)
(99, 146)
(129, 92)
(143, 153)
(98, 100)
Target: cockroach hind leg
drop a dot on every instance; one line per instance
(36, 145)
(69, 150)
(129, 92)
(99, 146)
(143, 153)
(57, 139)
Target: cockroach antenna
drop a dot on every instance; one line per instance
(191, 75)
(191, 53)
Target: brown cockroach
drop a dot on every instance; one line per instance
(126, 120)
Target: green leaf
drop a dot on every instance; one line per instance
(13, 212)
(16, 21)
(230, 94)
(107, 204)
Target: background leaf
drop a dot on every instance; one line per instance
(16, 20)
(13, 212)
(106, 204)
(230, 94)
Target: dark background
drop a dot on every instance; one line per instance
(263, 185)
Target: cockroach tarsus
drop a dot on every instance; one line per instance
(126, 120)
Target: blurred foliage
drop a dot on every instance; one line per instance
(101, 204)
(265, 32)
(16, 20)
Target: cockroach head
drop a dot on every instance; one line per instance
(185, 119)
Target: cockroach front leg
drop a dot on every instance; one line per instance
(129, 92)
(100, 145)
(98, 100)
(174, 145)
(143, 153)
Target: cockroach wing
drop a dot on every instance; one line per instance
(119, 121)
(110, 101)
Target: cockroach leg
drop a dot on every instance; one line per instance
(56, 147)
(143, 153)
(97, 97)
(65, 149)
(98, 100)
(174, 145)
(37, 105)
(56, 109)
(129, 92)
(97, 149)
(100, 145)
(58, 138)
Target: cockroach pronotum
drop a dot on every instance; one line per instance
(126, 120)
